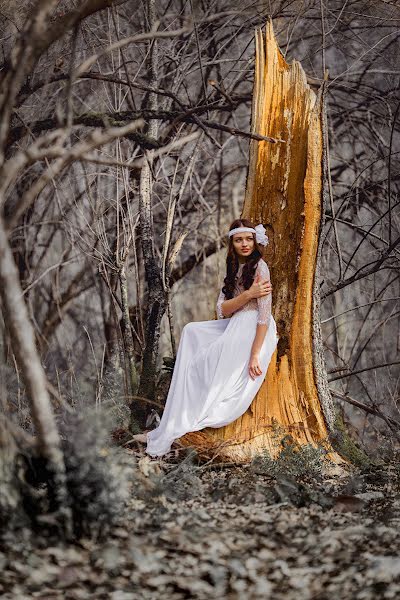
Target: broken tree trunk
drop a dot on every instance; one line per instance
(285, 193)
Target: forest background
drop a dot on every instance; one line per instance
(124, 140)
(124, 149)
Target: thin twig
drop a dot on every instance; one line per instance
(373, 411)
(371, 368)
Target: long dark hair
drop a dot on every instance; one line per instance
(232, 262)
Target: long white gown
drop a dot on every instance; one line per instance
(211, 385)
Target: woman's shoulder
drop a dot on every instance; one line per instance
(262, 267)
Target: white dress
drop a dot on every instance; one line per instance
(211, 385)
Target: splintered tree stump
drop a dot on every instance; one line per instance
(284, 192)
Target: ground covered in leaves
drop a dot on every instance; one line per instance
(212, 531)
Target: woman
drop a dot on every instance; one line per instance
(221, 364)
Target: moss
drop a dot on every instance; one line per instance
(344, 444)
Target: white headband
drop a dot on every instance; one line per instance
(261, 237)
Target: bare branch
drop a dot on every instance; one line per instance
(372, 411)
(371, 368)
(96, 139)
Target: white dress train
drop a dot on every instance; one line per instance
(211, 385)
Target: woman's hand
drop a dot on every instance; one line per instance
(254, 366)
(260, 287)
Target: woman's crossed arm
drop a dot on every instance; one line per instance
(260, 287)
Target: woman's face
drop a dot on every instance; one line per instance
(243, 243)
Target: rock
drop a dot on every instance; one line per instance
(383, 568)
(368, 496)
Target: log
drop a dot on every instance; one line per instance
(285, 192)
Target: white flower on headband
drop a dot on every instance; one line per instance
(261, 236)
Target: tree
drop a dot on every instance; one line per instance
(23, 343)
(285, 193)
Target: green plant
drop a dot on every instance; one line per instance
(294, 460)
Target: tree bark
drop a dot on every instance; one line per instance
(285, 193)
(128, 339)
(23, 344)
(156, 294)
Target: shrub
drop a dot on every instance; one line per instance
(98, 474)
(293, 460)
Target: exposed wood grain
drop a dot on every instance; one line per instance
(284, 192)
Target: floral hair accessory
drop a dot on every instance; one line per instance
(259, 230)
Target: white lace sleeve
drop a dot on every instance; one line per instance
(265, 302)
(221, 299)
